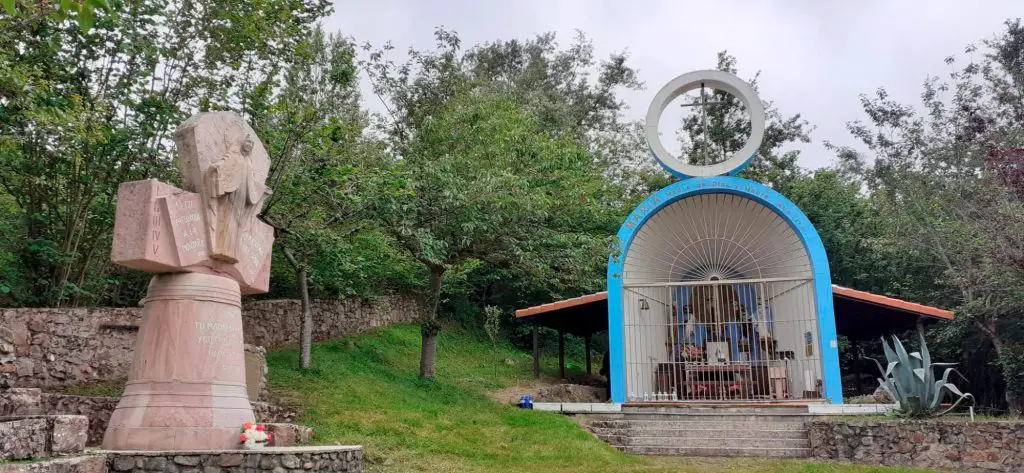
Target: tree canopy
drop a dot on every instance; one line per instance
(496, 174)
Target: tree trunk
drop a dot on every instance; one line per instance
(306, 319)
(306, 338)
(429, 327)
(1011, 360)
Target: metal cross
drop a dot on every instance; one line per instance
(703, 104)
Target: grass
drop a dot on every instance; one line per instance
(96, 389)
(365, 390)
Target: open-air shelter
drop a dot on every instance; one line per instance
(859, 316)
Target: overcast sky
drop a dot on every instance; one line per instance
(815, 57)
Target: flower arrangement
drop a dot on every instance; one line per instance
(254, 437)
(690, 353)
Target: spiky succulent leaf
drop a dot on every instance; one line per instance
(909, 378)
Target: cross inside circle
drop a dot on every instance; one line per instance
(719, 80)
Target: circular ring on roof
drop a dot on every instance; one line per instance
(720, 80)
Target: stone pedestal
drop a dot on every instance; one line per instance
(186, 389)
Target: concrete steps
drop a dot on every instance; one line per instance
(742, 432)
(798, 433)
(718, 452)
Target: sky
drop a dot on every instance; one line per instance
(815, 57)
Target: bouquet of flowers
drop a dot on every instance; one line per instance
(690, 353)
(254, 437)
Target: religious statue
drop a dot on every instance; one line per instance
(712, 307)
(210, 224)
(206, 248)
(233, 193)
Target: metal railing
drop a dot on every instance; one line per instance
(722, 341)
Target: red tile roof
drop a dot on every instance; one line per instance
(892, 303)
(839, 291)
(564, 304)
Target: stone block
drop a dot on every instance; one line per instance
(20, 401)
(23, 439)
(288, 435)
(69, 434)
(123, 463)
(156, 463)
(186, 460)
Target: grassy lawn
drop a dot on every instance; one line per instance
(365, 390)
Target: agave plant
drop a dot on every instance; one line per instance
(909, 378)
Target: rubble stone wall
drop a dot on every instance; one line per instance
(36, 437)
(947, 444)
(290, 460)
(62, 347)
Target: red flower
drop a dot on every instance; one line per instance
(243, 437)
(247, 425)
(269, 438)
(260, 428)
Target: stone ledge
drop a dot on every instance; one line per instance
(331, 458)
(270, 450)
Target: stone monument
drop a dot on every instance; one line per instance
(187, 386)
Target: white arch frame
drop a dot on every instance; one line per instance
(720, 80)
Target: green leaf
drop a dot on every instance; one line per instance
(9, 6)
(85, 19)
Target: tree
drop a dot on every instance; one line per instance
(82, 112)
(82, 11)
(547, 108)
(481, 181)
(723, 126)
(929, 175)
(848, 226)
(313, 130)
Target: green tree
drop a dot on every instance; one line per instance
(82, 11)
(481, 181)
(533, 81)
(928, 174)
(313, 128)
(720, 128)
(82, 112)
(844, 218)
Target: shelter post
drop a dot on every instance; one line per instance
(586, 343)
(561, 354)
(536, 354)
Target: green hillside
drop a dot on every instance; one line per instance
(365, 390)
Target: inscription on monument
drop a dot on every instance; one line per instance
(219, 340)
(187, 227)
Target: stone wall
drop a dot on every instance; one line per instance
(41, 347)
(292, 460)
(31, 401)
(55, 347)
(33, 437)
(948, 444)
(273, 413)
(275, 323)
(96, 409)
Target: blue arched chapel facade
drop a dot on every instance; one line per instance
(789, 212)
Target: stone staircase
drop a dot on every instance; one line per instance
(779, 432)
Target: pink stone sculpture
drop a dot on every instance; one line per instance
(206, 246)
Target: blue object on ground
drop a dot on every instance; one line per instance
(526, 402)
